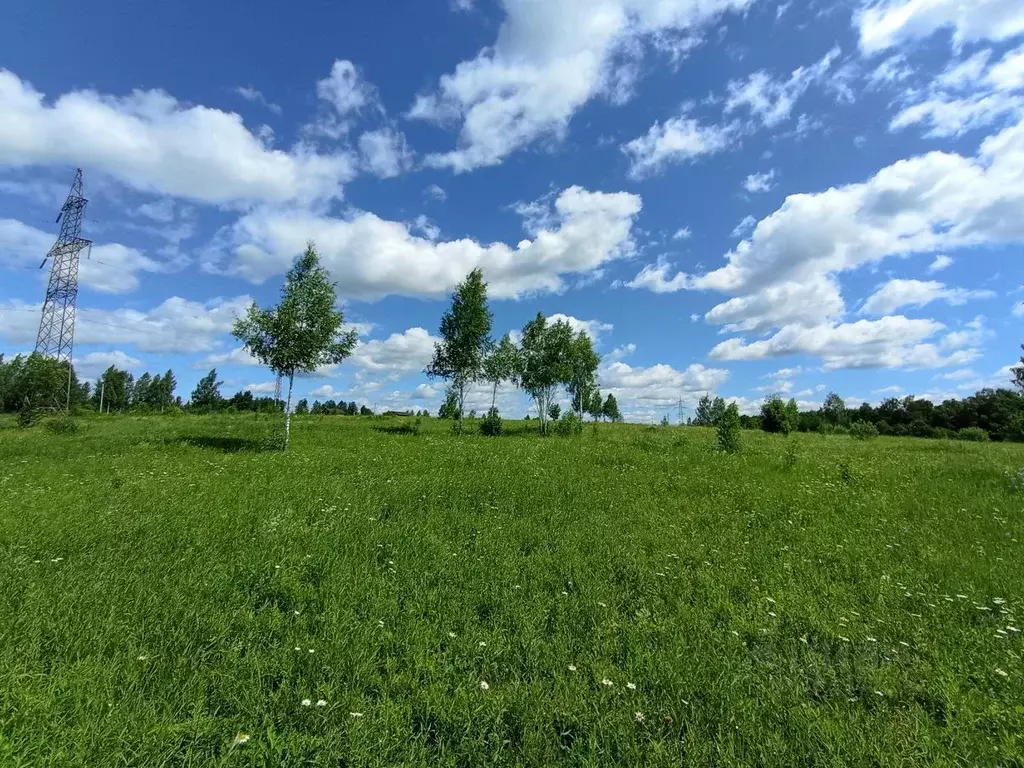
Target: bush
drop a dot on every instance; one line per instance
(973, 434)
(568, 426)
(941, 433)
(727, 429)
(28, 417)
(863, 430)
(62, 425)
(490, 425)
(779, 416)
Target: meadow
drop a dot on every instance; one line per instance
(172, 595)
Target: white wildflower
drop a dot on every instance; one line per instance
(307, 702)
(241, 738)
(639, 716)
(572, 667)
(631, 686)
(607, 682)
(451, 635)
(355, 714)
(321, 703)
(484, 686)
(1002, 672)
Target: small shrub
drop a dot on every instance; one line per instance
(790, 459)
(1016, 480)
(863, 430)
(972, 434)
(568, 426)
(490, 425)
(942, 433)
(727, 429)
(840, 429)
(62, 425)
(28, 417)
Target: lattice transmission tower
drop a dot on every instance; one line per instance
(57, 325)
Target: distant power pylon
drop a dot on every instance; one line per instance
(56, 337)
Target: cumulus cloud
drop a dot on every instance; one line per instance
(549, 60)
(93, 364)
(889, 342)
(371, 257)
(674, 141)
(399, 354)
(885, 23)
(109, 268)
(659, 385)
(593, 328)
(899, 293)
(759, 182)
(656, 278)
(153, 143)
(940, 263)
(175, 325)
(385, 153)
(770, 102)
(935, 201)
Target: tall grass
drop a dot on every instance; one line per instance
(171, 595)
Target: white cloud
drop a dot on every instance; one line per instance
(683, 233)
(249, 93)
(759, 182)
(593, 328)
(345, 90)
(659, 385)
(371, 257)
(895, 389)
(549, 60)
(655, 278)
(940, 263)
(674, 141)
(886, 23)
(175, 325)
(93, 364)
(801, 303)
(1018, 309)
(399, 354)
(923, 204)
(436, 192)
(892, 70)
(889, 342)
(1008, 73)
(769, 101)
(784, 373)
(961, 74)
(385, 153)
(110, 268)
(948, 116)
(745, 226)
(958, 375)
(899, 293)
(266, 388)
(153, 143)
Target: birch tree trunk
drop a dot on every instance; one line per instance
(288, 412)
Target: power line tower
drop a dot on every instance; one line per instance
(57, 324)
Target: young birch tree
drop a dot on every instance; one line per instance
(465, 338)
(301, 333)
(583, 379)
(501, 365)
(546, 362)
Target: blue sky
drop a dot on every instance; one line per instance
(731, 196)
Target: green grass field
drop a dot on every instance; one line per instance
(631, 597)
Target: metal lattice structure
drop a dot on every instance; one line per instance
(56, 337)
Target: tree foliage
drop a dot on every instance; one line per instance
(727, 429)
(582, 381)
(303, 332)
(779, 416)
(610, 409)
(501, 364)
(206, 395)
(546, 362)
(465, 338)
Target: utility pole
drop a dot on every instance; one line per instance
(56, 335)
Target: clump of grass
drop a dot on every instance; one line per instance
(63, 424)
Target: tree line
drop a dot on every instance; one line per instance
(990, 414)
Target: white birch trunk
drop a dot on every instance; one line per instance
(288, 412)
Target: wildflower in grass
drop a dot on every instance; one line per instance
(321, 703)
(484, 686)
(631, 686)
(312, 651)
(607, 682)
(451, 635)
(1002, 672)
(872, 639)
(603, 605)
(307, 702)
(297, 648)
(482, 644)
(240, 739)
(844, 639)
(355, 714)
(143, 658)
(56, 559)
(639, 716)
(572, 667)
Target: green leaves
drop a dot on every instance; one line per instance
(303, 332)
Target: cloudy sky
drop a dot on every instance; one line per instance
(734, 196)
